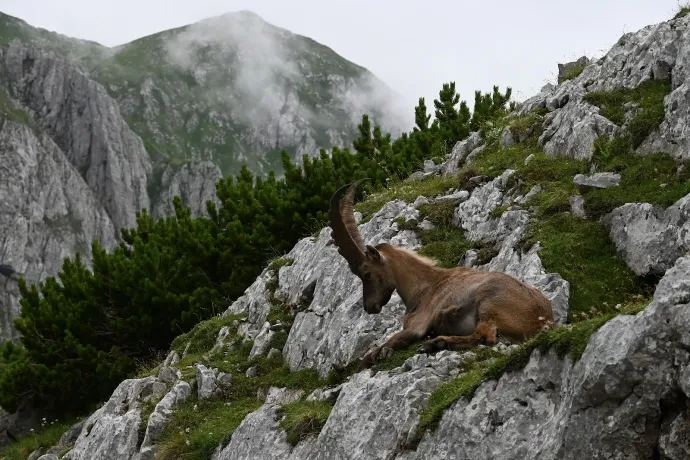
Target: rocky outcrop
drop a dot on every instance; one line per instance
(625, 398)
(460, 152)
(47, 212)
(648, 237)
(85, 123)
(659, 52)
(373, 416)
(194, 183)
(113, 431)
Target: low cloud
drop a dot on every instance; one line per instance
(263, 62)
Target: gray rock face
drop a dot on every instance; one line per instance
(577, 206)
(565, 69)
(206, 381)
(572, 130)
(620, 400)
(657, 51)
(160, 416)
(85, 123)
(112, 431)
(650, 238)
(597, 180)
(47, 212)
(194, 183)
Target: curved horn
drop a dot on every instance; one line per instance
(342, 222)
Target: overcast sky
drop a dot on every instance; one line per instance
(414, 46)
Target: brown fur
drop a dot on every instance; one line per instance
(455, 308)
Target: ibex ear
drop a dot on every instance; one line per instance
(373, 254)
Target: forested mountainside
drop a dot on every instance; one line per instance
(183, 342)
(91, 134)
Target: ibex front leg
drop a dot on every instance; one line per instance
(399, 340)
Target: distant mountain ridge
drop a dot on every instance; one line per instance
(230, 89)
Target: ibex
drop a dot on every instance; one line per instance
(455, 308)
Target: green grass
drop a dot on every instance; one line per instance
(582, 252)
(194, 432)
(45, 438)
(198, 427)
(571, 339)
(682, 11)
(276, 264)
(574, 72)
(649, 178)
(203, 336)
(649, 95)
(302, 419)
(13, 113)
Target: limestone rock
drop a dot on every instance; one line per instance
(194, 183)
(47, 212)
(617, 401)
(596, 180)
(577, 206)
(111, 432)
(205, 380)
(334, 328)
(86, 124)
(262, 341)
(460, 151)
(650, 239)
(161, 414)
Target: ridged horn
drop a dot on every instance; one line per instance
(342, 221)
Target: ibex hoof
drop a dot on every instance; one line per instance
(426, 347)
(385, 352)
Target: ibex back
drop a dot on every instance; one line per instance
(454, 308)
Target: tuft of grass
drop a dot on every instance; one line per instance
(682, 11)
(203, 336)
(582, 252)
(276, 264)
(498, 211)
(408, 191)
(446, 245)
(439, 213)
(405, 224)
(650, 97)
(198, 427)
(302, 419)
(570, 339)
(43, 439)
(573, 73)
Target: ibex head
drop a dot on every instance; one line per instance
(365, 261)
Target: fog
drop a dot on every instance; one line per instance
(265, 64)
